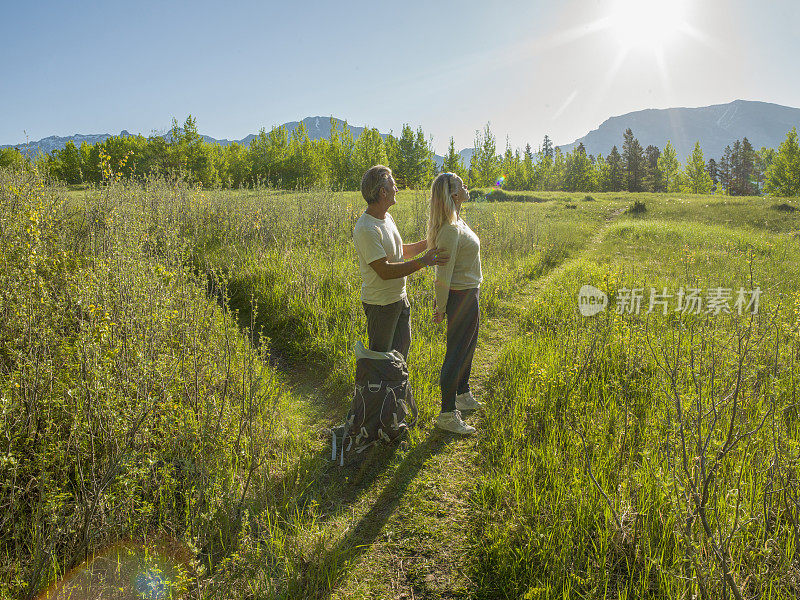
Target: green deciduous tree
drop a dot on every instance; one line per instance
(70, 158)
(237, 165)
(579, 173)
(369, 150)
(783, 175)
(339, 157)
(414, 165)
(301, 170)
(484, 165)
(764, 158)
(695, 177)
(11, 158)
(452, 161)
(511, 169)
(670, 168)
(269, 152)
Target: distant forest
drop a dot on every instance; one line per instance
(294, 161)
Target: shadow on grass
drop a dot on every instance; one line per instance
(323, 574)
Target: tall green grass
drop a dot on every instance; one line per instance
(650, 456)
(132, 406)
(291, 261)
(147, 326)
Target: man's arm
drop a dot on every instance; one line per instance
(411, 250)
(388, 270)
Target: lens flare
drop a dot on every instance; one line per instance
(128, 571)
(500, 181)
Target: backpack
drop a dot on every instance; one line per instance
(381, 406)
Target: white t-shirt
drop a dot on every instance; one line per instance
(374, 239)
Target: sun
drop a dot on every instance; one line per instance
(647, 24)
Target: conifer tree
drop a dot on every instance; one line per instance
(713, 172)
(654, 180)
(737, 187)
(528, 172)
(724, 170)
(615, 176)
(547, 147)
(748, 169)
(407, 168)
(633, 163)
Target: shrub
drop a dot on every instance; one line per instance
(637, 208)
(130, 402)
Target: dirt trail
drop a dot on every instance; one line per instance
(404, 533)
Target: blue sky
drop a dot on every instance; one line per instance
(529, 68)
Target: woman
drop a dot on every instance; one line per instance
(457, 287)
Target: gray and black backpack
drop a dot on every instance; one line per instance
(382, 408)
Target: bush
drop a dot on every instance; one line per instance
(637, 208)
(130, 402)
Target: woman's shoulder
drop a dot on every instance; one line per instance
(447, 232)
(450, 229)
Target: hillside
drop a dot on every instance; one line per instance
(715, 127)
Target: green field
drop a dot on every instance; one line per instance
(171, 358)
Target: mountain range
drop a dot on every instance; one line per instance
(715, 127)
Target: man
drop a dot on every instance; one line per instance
(385, 262)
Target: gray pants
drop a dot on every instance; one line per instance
(389, 326)
(463, 319)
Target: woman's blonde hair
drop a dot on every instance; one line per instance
(443, 209)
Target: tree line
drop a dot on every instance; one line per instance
(294, 161)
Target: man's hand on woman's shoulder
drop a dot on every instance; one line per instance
(434, 257)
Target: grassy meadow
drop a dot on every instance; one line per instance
(171, 357)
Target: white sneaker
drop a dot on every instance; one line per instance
(466, 401)
(451, 421)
